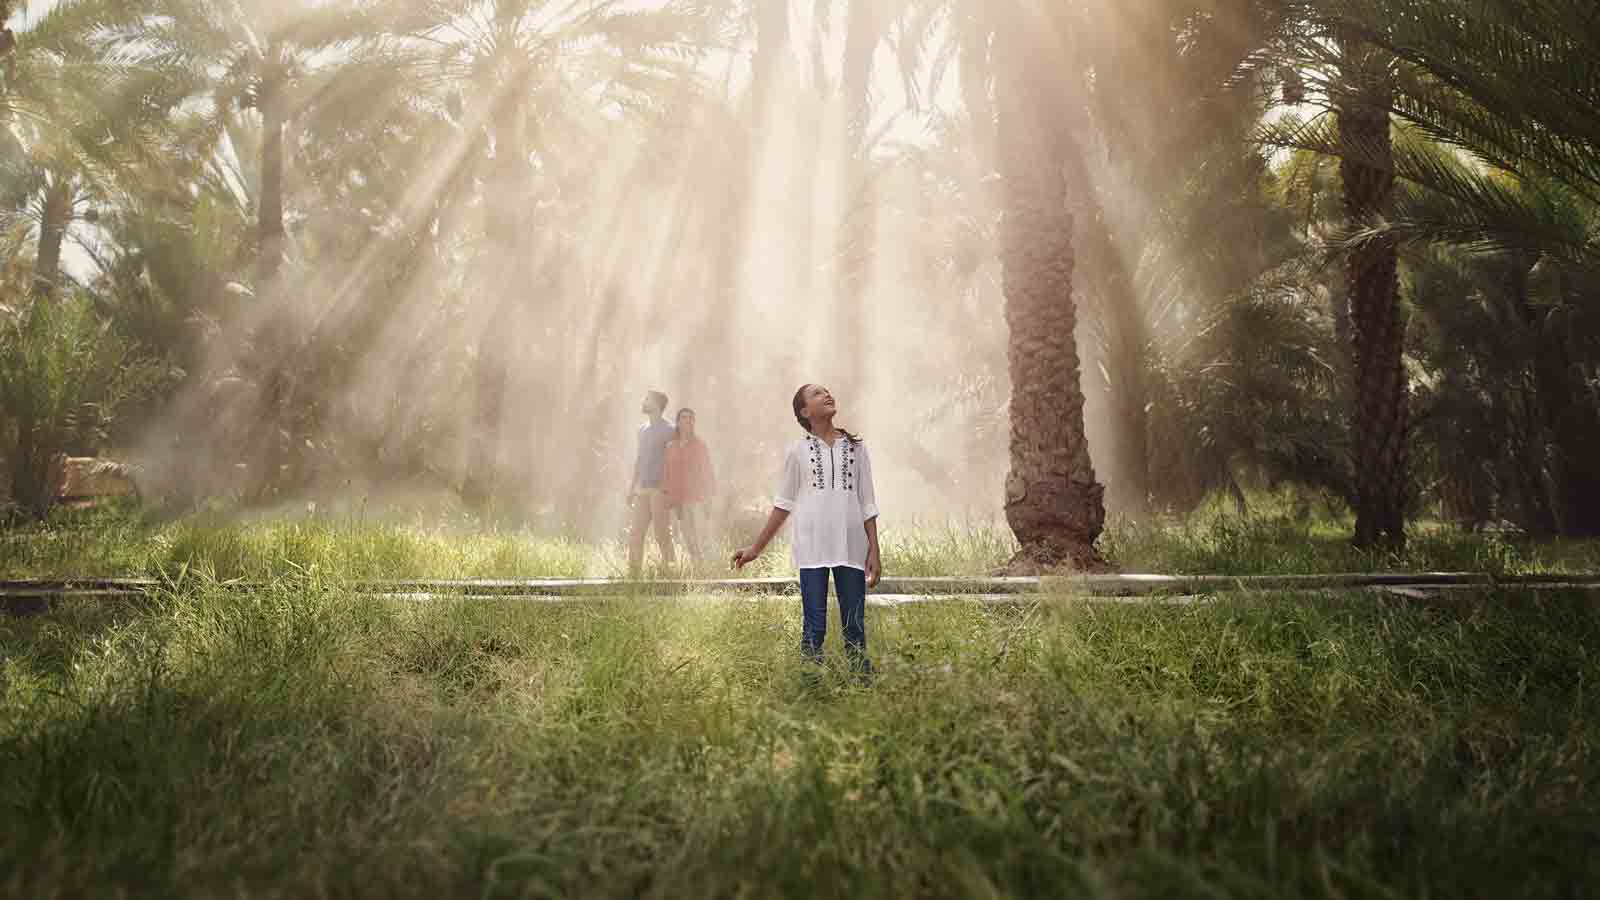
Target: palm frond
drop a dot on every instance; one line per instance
(1454, 201)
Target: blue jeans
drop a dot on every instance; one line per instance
(851, 586)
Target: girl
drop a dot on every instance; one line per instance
(827, 487)
(689, 480)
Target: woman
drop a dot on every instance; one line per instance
(827, 487)
(689, 481)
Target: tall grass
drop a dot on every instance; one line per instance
(1272, 539)
(1281, 533)
(114, 542)
(1268, 543)
(301, 741)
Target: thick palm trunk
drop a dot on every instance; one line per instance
(52, 235)
(1381, 395)
(1053, 503)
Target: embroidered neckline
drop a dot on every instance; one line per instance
(840, 472)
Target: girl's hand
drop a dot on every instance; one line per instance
(874, 569)
(742, 558)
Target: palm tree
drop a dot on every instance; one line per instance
(1355, 80)
(270, 62)
(1500, 81)
(1505, 80)
(1507, 414)
(274, 60)
(1241, 381)
(1016, 126)
(82, 117)
(1148, 94)
(1377, 324)
(1055, 506)
(1497, 85)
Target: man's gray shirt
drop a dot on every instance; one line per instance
(649, 469)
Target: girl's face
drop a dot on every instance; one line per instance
(819, 403)
(686, 424)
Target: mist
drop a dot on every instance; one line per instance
(401, 254)
(448, 303)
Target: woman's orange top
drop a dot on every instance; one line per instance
(688, 476)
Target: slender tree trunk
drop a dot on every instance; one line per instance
(508, 266)
(768, 61)
(29, 457)
(274, 339)
(31, 484)
(1053, 503)
(1532, 443)
(29, 469)
(270, 232)
(1527, 453)
(1576, 437)
(860, 45)
(975, 78)
(483, 464)
(1381, 394)
(52, 235)
(854, 254)
(1569, 426)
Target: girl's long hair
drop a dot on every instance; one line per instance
(800, 416)
(677, 433)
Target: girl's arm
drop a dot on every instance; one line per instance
(749, 554)
(874, 561)
(782, 504)
(869, 512)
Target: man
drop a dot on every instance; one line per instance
(646, 494)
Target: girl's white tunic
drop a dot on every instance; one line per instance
(828, 494)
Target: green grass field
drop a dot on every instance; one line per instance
(300, 741)
(297, 739)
